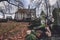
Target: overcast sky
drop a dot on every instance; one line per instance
(52, 2)
(13, 8)
(25, 2)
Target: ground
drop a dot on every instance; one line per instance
(13, 30)
(17, 31)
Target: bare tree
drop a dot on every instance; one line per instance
(3, 0)
(58, 4)
(17, 3)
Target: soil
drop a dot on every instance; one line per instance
(13, 30)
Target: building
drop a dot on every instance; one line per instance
(12, 15)
(25, 14)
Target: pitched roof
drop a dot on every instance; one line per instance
(26, 11)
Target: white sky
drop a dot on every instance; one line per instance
(12, 8)
(26, 3)
(52, 2)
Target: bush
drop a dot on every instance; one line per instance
(31, 37)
